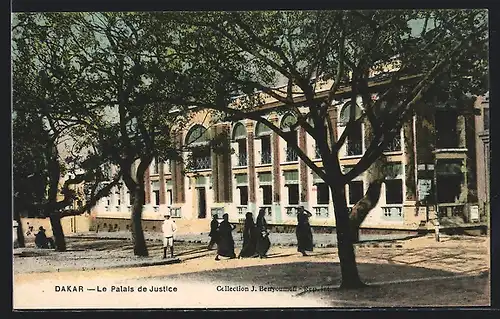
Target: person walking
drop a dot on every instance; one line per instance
(303, 231)
(263, 242)
(169, 229)
(214, 234)
(250, 236)
(225, 243)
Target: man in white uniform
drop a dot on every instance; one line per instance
(169, 229)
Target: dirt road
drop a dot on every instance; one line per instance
(454, 271)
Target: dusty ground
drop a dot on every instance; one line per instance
(419, 272)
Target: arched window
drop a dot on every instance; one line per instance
(263, 133)
(197, 135)
(287, 122)
(198, 140)
(262, 130)
(354, 138)
(347, 114)
(239, 131)
(240, 137)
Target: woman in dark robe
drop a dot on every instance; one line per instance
(303, 232)
(214, 225)
(263, 242)
(225, 243)
(41, 240)
(249, 237)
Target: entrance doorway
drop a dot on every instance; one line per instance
(202, 202)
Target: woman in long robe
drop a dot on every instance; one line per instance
(214, 225)
(303, 232)
(263, 242)
(249, 237)
(225, 243)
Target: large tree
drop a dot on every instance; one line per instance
(116, 65)
(420, 53)
(46, 117)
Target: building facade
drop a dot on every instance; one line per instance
(483, 152)
(434, 165)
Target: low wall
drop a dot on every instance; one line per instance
(71, 224)
(108, 224)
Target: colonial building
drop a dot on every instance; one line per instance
(432, 163)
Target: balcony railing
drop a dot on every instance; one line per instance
(392, 212)
(241, 210)
(291, 155)
(265, 158)
(219, 211)
(354, 148)
(268, 210)
(241, 159)
(175, 211)
(202, 162)
(451, 210)
(322, 211)
(394, 145)
(291, 210)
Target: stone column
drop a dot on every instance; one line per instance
(163, 206)
(252, 198)
(178, 177)
(225, 159)
(216, 178)
(472, 163)
(332, 116)
(162, 184)
(221, 167)
(304, 189)
(276, 207)
(425, 143)
(462, 140)
(464, 190)
(410, 210)
(147, 186)
(408, 147)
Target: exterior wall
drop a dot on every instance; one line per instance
(482, 155)
(222, 195)
(70, 224)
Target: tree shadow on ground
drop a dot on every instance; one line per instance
(389, 285)
(312, 274)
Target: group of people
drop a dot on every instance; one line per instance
(256, 241)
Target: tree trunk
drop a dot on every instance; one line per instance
(140, 248)
(52, 212)
(348, 267)
(19, 230)
(57, 231)
(375, 176)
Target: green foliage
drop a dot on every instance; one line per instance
(241, 53)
